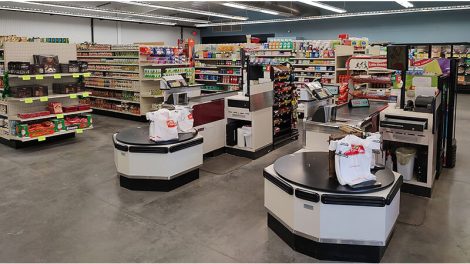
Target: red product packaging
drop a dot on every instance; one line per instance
(55, 108)
(83, 107)
(68, 109)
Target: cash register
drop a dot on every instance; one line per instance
(318, 101)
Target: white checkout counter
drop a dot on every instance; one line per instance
(145, 165)
(318, 217)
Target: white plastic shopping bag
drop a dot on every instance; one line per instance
(185, 120)
(164, 126)
(353, 159)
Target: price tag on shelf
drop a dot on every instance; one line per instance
(79, 131)
(73, 96)
(60, 116)
(26, 78)
(86, 94)
(28, 100)
(43, 99)
(41, 138)
(39, 77)
(75, 75)
(234, 59)
(86, 74)
(57, 76)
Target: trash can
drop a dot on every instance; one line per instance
(406, 162)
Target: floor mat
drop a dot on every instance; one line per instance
(412, 209)
(224, 163)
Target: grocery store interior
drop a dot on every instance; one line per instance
(234, 131)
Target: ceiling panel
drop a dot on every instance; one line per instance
(145, 13)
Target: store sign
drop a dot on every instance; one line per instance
(377, 64)
(366, 64)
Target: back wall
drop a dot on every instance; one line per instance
(450, 26)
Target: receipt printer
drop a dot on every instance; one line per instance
(425, 104)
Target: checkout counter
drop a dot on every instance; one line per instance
(311, 211)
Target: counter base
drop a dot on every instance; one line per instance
(137, 184)
(20, 144)
(416, 190)
(326, 251)
(249, 154)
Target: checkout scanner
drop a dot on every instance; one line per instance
(319, 102)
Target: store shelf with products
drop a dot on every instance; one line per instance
(370, 77)
(43, 93)
(219, 67)
(123, 73)
(314, 59)
(284, 105)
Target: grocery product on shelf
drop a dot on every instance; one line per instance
(285, 102)
(219, 66)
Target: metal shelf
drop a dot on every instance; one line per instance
(110, 88)
(53, 75)
(115, 111)
(115, 99)
(228, 83)
(110, 70)
(147, 63)
(296, 58)
(206, 67)
(54, 96)
(48, 116)
(114, 78)
(203, 80)
(268, 56)
(47, 136)
(228, 59)
(109, 57)
(134, 50)
(116, 64)
(313, 71)
(326, 65)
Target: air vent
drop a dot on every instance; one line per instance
(228, 28)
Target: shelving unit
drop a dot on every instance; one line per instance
(314, 59)
(121, 72)
(219, 67)
(371, 83)
(2, 66)
(11, 107)
(269, 54)
(284, 105)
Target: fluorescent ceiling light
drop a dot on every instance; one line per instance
(185, 10)
(65, 13)
(324, 6)
(127, 13)
(358, 14)
(251, 8)
(405, 4)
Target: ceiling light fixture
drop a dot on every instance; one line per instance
(251, 8)
(324, 6)
(63, 13)
(185, 10)
(358, 14)
(109, 11)
(405, 4)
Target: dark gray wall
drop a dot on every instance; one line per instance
(447, 26)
